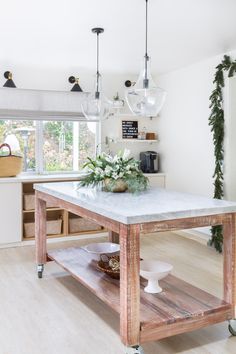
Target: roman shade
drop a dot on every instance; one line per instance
(25, 104)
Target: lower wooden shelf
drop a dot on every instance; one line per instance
(161, 315)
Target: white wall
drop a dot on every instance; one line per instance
(230, 141)
(185, 138)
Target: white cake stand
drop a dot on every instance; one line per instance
(153, 271)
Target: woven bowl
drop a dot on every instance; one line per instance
(105, 268)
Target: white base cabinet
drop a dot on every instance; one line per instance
(10, 212)
(156, 179)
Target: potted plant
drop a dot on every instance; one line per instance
(117, 173)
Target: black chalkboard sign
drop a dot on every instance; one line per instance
(129, 129)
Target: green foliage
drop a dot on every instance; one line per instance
(59, 144)
(216, 122)
(137, 182)
(56, 128)
(113, 168)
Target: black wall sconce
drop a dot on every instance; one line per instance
(75, 81)
(129, 83)
(9, 82)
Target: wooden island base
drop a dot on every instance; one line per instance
(144, 317)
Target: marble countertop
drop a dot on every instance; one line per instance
(155, 204)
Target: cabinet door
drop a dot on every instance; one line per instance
(157, 181)
(10, 212)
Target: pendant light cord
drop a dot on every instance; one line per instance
(97, 74)
(145, 81)
(146, 54)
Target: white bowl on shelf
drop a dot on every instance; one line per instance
(153, 271)
(95, 250)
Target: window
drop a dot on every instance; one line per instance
(51, 146)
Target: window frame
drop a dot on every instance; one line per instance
(39, 142)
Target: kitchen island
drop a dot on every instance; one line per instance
(181, 307)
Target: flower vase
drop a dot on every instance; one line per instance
(115, 185)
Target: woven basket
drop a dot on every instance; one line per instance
(54, 227)
(81, 224)
(29, 202)
(10, 165)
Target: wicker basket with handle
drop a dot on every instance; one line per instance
(10, 165)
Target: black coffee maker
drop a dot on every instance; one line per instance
(149, 161)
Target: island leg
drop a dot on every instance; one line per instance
(113, 237)
(230, 267)
(40, 234)
(130, 284)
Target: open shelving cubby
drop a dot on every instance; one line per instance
(60, 222)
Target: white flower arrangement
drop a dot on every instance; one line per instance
(115, 168)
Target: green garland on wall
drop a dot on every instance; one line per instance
(216, 121)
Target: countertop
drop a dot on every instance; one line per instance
(155, 204)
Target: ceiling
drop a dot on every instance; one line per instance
(57, 33)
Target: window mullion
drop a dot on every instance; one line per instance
(75, 146)
(39, 147)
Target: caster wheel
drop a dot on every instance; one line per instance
(134, 350)
(40, 269)
(232, 329)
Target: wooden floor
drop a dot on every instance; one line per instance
(56, 315)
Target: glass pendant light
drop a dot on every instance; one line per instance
(144, 98)
(96, 106)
